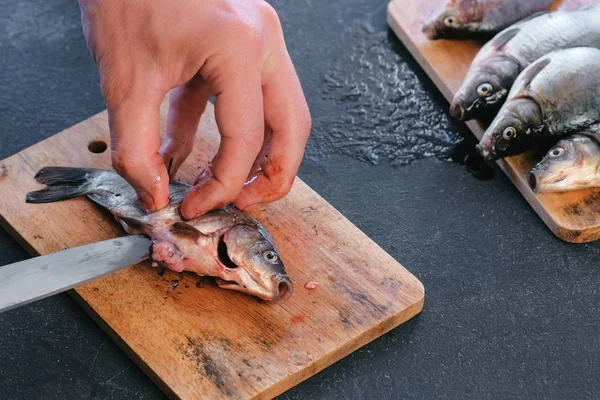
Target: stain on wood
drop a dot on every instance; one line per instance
(570, 216)
(192, 338)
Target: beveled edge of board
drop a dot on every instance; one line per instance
(564, 232)
(285, 384)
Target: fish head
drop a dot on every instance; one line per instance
(251, 264)
(485, 89)
(453, 20)
(518, 127)
(570, 165)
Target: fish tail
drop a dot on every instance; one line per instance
(63, 183)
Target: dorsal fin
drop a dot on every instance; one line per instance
(530, 73)
(503, 38)
(185, 230)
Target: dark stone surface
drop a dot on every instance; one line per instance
(510, 311)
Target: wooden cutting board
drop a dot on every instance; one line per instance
(574, 216)
(192, 338)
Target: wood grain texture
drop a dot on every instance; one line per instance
(204, 342)
(573, 216)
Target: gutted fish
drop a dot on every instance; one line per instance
(574, 163)
(554, 96)
(501, 60)
(224, 243)
(459, 19)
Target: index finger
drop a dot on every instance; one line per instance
(288, 118)
(240, 118)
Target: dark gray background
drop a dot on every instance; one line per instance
(510, 311)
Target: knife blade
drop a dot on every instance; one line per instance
(40, 277)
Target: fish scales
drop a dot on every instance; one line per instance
(501, 13)
(554, 31)
(554, 96)
(567, 90)
(500, 61)
(479, 18)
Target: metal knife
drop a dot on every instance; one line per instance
(44, 276)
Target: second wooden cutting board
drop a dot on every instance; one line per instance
(572, 216)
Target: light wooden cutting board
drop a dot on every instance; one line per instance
(573, 216)
(194, 339)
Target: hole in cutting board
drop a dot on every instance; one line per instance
(97, 146)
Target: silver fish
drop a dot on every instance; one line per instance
(501, 60)
(224, 243)
(574, 163)
(554, 96)
(479, 18)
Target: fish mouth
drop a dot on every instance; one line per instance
(431, 32)
(457, 110)
(538, 187)
(285, 289)
(487, 155)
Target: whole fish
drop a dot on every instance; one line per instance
(574, 163)
(501, 60)
(554, 96)
(459, 19)
(224, 243)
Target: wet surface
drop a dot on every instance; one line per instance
(386, 113)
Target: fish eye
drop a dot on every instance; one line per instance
(485, 89)
(509, 133)
(271, 256)
(556, 152)
(450, 22)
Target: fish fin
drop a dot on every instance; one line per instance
(177, 191)
(65, 175)
(137, 224)
(530, 73)
(63, 183)
(185, 230)
(504, 37)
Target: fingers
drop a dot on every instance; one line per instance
(288, 118)
(133, 112)
(187, 104)
(240, 118)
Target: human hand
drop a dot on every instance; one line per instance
(233, 49)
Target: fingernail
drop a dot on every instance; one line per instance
(147, 202)
(204, 176)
